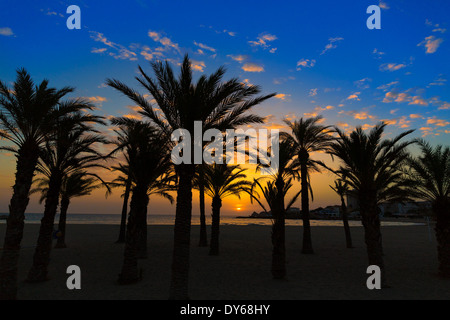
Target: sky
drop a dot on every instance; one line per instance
(318, 56)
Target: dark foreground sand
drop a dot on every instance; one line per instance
(242, 271)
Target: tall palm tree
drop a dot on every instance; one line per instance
(69, 148)
(123, 181)
(220, 181)
(180, 102)
(203, 239)
(430, 177)
(148, 160)
(372, 166)
(341, 187)
(307, 136)
(274, 197)
(275, 192)
(77, 184)
(163, 186)
(27, 115)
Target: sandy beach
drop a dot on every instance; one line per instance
(242, 270)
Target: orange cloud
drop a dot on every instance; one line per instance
(197, 65)
(362, 115)
(444, 106)
(96, 99)
(282, 96)
(419, 101)
(252, 67)
(431, 44)
(367, 126)
(392, 66)
(305, 63)
(238, 58)
(438, 122)
(354, 96)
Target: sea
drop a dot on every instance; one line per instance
(114, 219)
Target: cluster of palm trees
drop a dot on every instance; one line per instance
(58, 139)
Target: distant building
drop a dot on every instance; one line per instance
(406, 209)
(395, 209)
(327, 212)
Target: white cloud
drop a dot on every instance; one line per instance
(205, 47)
(7, 32)
(331, 44)
(121, 52)
(386, 87)
(363, 83)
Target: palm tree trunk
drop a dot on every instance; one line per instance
(348, 236)
(142, 232)
(441, 209)
(180, 262)
(203, 242)
(41, 258)
(307, 241)
(123, 220)
(26, 164)
(279, 248)
(372, 228)
(215, 226)
(61, 241)
(138, 205)
(279, 235)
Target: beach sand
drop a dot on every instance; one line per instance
(242, 270)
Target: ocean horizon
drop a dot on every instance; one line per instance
(164, 219)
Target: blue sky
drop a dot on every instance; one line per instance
(318, 56)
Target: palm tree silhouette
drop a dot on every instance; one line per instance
(70, 147)
(203, 239)
(341, 187)
(372, 168)
(28, 113)
(217, 104)
(123, 181)
(220, 181)
(307, 136)
(78, 184)
(429, 175)
(274, 193)
(148, 160)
